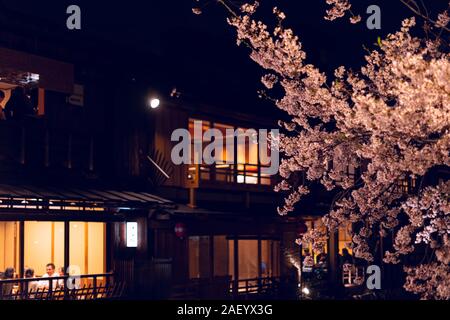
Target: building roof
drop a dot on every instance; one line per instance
(39, 202)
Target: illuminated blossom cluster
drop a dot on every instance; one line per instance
(429, 224)
(390, 121)
(338, 9)
(443, 20)
(431, 281)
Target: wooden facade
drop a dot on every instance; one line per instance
(99, 148)
(92, 155)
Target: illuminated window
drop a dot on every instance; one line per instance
(308, 249)
(345, 237)
(197, 152)
(270, 258)
(224, 168)
(225, 156)
(406, 185)
(44, 243)
(249, 262)
(247, 148)
(242, 167)
(87, 246)
(248, 259)
(9, 245)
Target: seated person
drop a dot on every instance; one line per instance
(32, 285)
(322, 261)
(7, 288)
(51, 273)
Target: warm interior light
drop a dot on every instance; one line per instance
(154, 103)
(247, 179)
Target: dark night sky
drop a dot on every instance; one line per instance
(198, 53)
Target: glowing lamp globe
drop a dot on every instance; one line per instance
(154, 103)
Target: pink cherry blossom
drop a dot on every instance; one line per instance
(390, 121)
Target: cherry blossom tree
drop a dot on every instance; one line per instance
(390, 121)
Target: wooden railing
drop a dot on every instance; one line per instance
(75, 287)
(224, 288)
(352, 275)
(255, 286)
(244, 174)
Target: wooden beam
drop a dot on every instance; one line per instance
(66, 245)
(86, 247)
(333, 256)
(53, 75)
(21, 248)
(41, 102)
(235, 266)
(259, 261)
(108, 247)
(211, 256)
(52, 254)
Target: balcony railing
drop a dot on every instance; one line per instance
(255, 286)
(225, 288)
(352, 275)
(243, 174)
(79, 287)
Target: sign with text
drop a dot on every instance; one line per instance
(132, 234)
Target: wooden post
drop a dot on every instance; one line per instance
(259, 262)
(66, 245)
(382, 267)
(109, 246)
(236, 267)
(192, 199)
(21, 249)
(333, 256)
(41, 102)
(94, 288)
(300, 272)
(235, 171)
(52, 254)
(211, 256)
(86, 247)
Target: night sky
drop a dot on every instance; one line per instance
(198, 53)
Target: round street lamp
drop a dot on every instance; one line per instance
(154, 103)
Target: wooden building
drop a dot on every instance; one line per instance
(81, 185)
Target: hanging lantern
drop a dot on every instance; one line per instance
(180, 230)
(302, 228)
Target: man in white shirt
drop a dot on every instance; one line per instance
(50, 269)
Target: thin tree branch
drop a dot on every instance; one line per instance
(417, 11)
